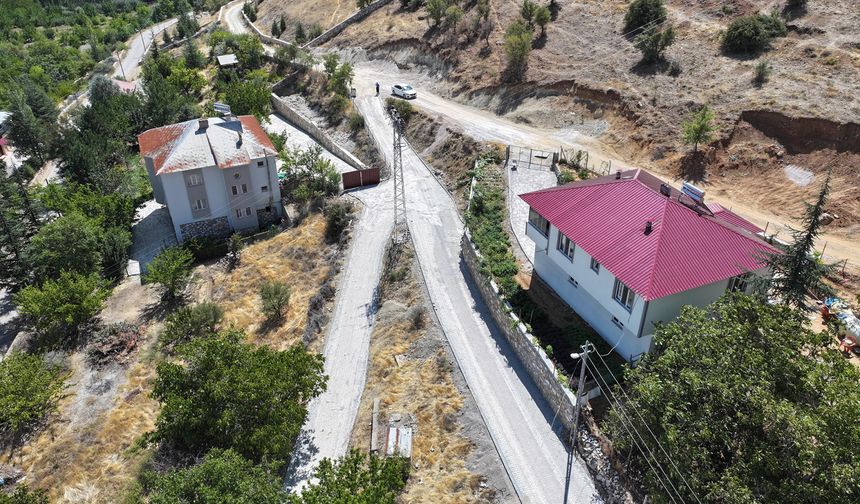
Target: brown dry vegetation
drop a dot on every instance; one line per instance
(325, 13)
(587, 69)
(86, 454)
(90, 452)
(422, 385)
(297, 257)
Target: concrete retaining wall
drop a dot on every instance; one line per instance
(266, 39)
(539, 367)
(336, 29)
(315, 132)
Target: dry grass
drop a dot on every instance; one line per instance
(87, 458)
(424, 388)
(296, 257)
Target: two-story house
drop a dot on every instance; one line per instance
(216, 175)
(627, 251)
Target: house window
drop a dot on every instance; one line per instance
(265, 188)
(618, 323)
(572, 281)
(244, 188)
(623, 295)
(565, 246)
(739, 283)
(539, 223)
(595, 266)
(199, 204)
(195, 180)
(260, 163)
(247, 211)
(235, 190)
(238, 213)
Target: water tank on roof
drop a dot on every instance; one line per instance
(693, 192)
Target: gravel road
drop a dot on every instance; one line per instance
(137, 47)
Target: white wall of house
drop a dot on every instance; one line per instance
(590, 294)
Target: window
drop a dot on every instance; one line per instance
(623, 295)
(195, 180)
(247, 211)
(618, 323)
(265, 188)
(565, 246)
(572, 281)
(595, 266)
(739, 283)
(244, 188)
(238, 213)
(260, 163)
(538, 222)
(235, 190)
(199, 204)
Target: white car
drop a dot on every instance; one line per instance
(404, 91)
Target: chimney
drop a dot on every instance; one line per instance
(665, 190)
(203, 123)
(618, 175)
(648, 228)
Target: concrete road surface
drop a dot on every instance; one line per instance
(520, 422)
(128, 67)
(331, 416)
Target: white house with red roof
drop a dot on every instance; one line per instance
(216, 175)
(627, 251)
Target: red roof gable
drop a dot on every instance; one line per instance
(686, 248)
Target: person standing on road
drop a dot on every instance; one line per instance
(377, 89)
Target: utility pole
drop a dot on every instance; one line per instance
(397, 174)
(142, 41)
(119, 58)
(579, 391)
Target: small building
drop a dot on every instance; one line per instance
(227, 60)
(216, 175)
(627, 251)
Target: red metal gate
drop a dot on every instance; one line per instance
(360, 178)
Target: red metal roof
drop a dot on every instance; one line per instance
(186, 146)
(687, 247)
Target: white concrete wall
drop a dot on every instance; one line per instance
(668, 308)
(176, 197)
(592, 297)
(154, 181)
(266, 175)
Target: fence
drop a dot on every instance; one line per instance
(533, 159)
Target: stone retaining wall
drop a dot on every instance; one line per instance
(539, 367)
(315, 132)
(219, 227)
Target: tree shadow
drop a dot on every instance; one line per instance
(269, 325)
(554, 10)
(539, 42)
(160, 309)
(794, 12)
(513, 74)
(694, 167)
(661, 66)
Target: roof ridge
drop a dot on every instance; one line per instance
(744, 233)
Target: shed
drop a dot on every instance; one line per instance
(227, 60)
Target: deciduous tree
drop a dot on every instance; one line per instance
(29, 389)
(699, 127)
(70, 243)
(653, 42)
(644, 14)
(171, 269)
(59, 307)
(750, 405)
(357, 479)
(232, 395)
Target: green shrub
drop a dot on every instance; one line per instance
(762, 71)
(337, 217)
(204, 248)
(518, 46)
(749, 34)
(59, 307)
(190, 323)
(356, 122)
(402, 107)
(274, 299)
(23, 495)
(644, 13)
(171, 269)
(653, 42)
(29, 389)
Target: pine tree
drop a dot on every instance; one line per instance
(798, 270)
(28, 134)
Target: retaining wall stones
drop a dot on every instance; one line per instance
(218, 227)
(315, 132)
(539, 367)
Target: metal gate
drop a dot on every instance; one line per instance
(360, 178)
(534, 159)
